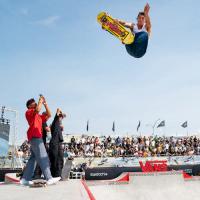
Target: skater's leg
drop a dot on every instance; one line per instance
(41, 157)
(138, 48)
(30, 167)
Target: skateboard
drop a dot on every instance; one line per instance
(66, 170)
(112, 26)
(38, 183)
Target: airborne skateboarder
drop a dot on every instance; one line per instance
(141, 30)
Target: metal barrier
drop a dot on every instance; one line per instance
(76, 175)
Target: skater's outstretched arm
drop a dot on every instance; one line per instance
(125, 24)
(147, 18)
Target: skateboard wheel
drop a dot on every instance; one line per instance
(103, 19)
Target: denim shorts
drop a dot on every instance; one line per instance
(138, 48)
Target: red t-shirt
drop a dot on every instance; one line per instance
(35, 122)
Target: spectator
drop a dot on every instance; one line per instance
(56, 149)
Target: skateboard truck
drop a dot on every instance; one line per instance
(123, 34)
(103, 19)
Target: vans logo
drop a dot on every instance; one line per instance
(154, 166)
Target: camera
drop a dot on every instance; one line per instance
(62, 115)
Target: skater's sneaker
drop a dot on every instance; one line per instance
(25, 182)
(53, 181)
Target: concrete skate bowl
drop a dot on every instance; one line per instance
(147, 186)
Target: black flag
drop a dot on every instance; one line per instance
(87, 127)
(138, 126)
(162, 123)
(113, 127)
(184, 125)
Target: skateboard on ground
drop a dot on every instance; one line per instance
(39, 183)
(115, 28)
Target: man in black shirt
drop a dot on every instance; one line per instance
(45, 129)
(56, 149)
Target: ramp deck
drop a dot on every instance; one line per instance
(150, 186)
(72, 190)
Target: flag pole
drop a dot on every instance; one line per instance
(87, 126)
(154, 126)
(113, 127)
(138, 126)
(164, 131)
(185, 125)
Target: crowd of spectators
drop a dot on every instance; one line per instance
(92, 146)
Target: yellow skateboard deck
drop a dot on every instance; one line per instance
(116, 29)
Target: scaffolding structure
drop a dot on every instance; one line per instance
(16, 161)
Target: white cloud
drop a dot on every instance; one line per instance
(48, 21)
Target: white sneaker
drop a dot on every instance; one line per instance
(25, 182)
(53, 180)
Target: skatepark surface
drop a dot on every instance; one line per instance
(154, 186)
(140, 186)
(71, 190)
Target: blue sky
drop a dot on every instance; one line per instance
(57, 48)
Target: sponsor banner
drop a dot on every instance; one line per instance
(109, 173)
(154, 166)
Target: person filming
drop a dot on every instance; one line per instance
(34, 134)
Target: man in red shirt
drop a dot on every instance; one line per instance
(34, 134)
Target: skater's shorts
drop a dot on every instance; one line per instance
(138, 48)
